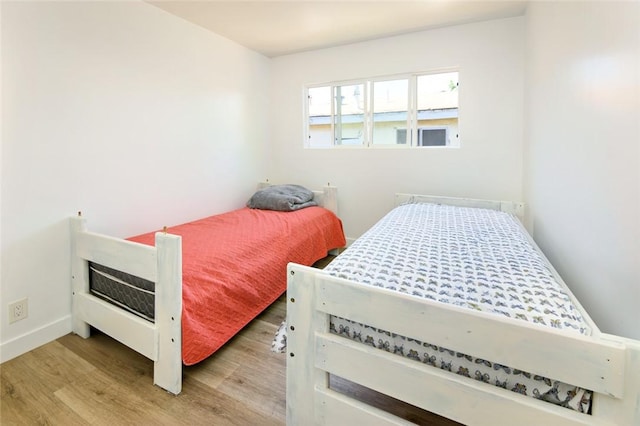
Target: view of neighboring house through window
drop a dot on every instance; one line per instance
(437, 110)
(336, 115)
(417, 110)
(390, 110)
(349, 114)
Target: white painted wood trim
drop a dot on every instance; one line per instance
(302, 323)
(337, 409)
(465, 400)
(623, 411)
(79, 278)
(515, 208)
(167, 370)
(327, 198)
(127, 328)
(126, 256)
(567, 356)
(262, 185)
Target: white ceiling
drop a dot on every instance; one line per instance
(276, 28)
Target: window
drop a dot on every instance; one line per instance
(416, 110)
(390, 109)
(336, 115)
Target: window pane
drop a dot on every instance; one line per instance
(349, 114)
(437, 101)
(432, 137)
(401, 136)
(390, 104)
(320, 117)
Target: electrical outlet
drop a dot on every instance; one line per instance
(18, 310)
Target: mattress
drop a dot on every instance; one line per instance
(131, 293)
(474, 258)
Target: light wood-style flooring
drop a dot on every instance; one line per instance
(98, 381)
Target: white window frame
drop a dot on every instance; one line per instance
(368, 116)
(332, 86)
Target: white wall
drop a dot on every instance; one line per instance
(490, 57)
(133, 116)
(583, 151)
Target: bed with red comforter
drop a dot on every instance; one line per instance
(176, 296)
(234, 265)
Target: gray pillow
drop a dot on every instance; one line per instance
(282, 198)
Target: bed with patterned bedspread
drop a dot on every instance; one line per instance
(473, 258)
(493, 334)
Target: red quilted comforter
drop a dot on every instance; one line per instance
(234, 266)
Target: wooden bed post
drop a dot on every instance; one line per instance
(167, 370)
(79, 277)
(625, 410)
(303, 321)
(330, 199)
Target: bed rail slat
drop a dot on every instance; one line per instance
(334, 408)
(126, 256)
(578, 360)
(139, 334)
(432, 389)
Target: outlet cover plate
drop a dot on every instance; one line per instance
(18, 310)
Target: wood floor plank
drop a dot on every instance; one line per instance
(22, 403)
(49, 367)
(95, 398)
(248, 386)
(109, 356)
(52, 366)
(200, 404)
(212, 371)
(276, 312)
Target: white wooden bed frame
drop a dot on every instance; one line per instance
(606, 364)
(160, 341)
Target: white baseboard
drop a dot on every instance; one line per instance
(29, 341)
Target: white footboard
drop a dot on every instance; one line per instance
(608, 365)
(160, 341)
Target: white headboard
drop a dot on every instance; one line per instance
(515, 208)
